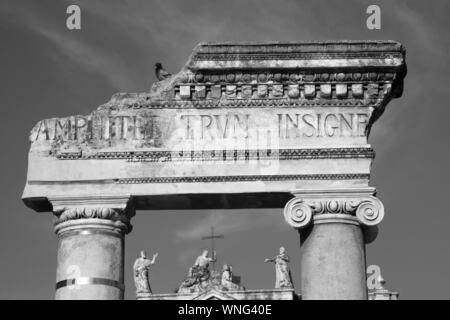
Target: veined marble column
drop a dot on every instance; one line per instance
(334, 226)
(90, 260)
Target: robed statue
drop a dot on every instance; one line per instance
(141, 269)
(199, 273)
(282, 271)
(200, 268)
(227, 278)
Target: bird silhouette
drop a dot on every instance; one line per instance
(160, 72)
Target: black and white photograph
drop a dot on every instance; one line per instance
(242, 151)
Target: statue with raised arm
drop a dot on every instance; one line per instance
(140, 271)
(282, 271)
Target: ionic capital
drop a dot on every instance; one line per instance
(311, 205)
(111, 212)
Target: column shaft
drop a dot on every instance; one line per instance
(90, 257)
(333, 261)
(90, 263)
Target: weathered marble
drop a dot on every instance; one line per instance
(239, 126)
(90, 257)
(246, 119)
(141, 269)
(332, 226)
(333, 261)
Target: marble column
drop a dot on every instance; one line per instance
(90, 259)
(334, 226)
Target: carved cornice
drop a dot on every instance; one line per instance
(223, 155)
(285, 76)
(344, 49)
(307, 62)
(257, 75)
(321, 92)
(292, 95)
(360, 203)
(291, 56)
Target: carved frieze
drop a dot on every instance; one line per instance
(243, 178)
(223, 155)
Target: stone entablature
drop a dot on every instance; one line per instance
(236, 118)
(239, 126)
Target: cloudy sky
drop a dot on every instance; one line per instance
(48, 71)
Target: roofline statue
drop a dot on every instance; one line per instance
(282, 270)
(141, 269)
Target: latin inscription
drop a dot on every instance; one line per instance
(100, 128)
(204, 126)
(216, 126)
(307, 125)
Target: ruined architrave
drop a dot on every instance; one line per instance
(254, 125)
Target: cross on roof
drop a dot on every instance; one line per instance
(212, 237)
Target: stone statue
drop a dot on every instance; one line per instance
(282, 271)
(199, 273)
(202, 261)
(227, 278)
(141, 267)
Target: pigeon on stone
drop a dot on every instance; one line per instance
(160, 72)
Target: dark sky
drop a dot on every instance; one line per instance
(48, 71)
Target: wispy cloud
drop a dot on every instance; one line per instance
(91, 58)
(80, 48)
(187, 256)
(231, 222)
